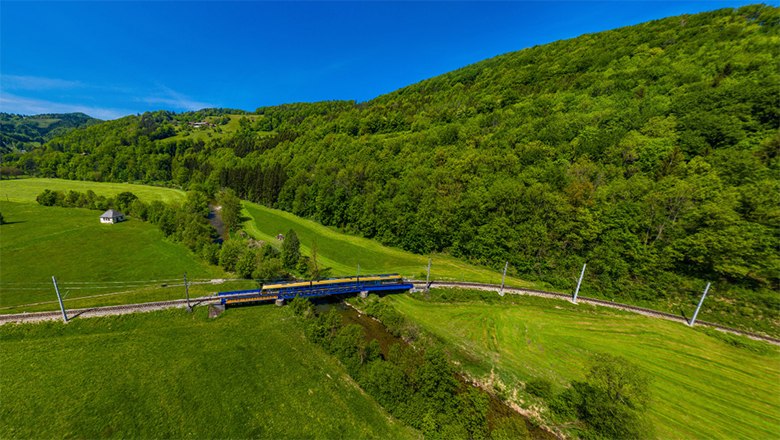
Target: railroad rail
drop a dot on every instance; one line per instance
(181, 303)
(598, 302)
(105, 310)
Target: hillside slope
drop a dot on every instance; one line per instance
(26, 132)
(649, 152)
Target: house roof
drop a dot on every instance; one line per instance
(111, 214)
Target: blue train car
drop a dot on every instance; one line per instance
(307, 289)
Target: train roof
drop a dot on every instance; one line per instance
(275, 283)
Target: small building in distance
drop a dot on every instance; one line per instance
(280, 237)
(112, 216)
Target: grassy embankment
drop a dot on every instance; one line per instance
(96, 264)
(249, 373)
(343, 252)
(706, 384)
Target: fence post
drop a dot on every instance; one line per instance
(577, 291)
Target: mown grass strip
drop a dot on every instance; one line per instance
(706, 385)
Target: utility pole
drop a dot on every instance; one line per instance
(577, 291)
(59, 298)
(428, 277)
(701, 301)
(503, 278)
(187, 292)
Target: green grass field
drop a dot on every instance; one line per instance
(343, 252)
(706, 385)
(26, 190)
(88, 258)
(249, 373)
(95, 264)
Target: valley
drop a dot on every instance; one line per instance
(646, 157)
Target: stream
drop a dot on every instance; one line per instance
(375, 330)
(215, 219)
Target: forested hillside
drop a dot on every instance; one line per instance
(649, 152)
(25, 132)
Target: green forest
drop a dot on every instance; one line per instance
(648, 152)
(19, 132)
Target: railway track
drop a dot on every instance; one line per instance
(598, 302)
(181, 303)
(104, 311)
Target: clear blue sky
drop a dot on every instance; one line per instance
(110, 59)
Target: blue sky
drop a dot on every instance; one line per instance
(110, 59)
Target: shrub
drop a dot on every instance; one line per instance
(539, 387)
(612, 401)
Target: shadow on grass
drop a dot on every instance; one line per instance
(684, 316)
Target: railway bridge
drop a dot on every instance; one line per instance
(281, 292)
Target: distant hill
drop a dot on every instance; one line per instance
(20, 132)
(650, 152)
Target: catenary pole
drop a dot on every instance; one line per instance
(59, 298)
(701, 301)
(577, 291)
(503, 278)
(187, 291)
(428, 277)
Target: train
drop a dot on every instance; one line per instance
(318, 288)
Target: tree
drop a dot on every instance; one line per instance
(613, 399)
(232, 250)
(231, 208)
(197, 202)
(291, 250)
(124, 200)
(314, 270)
(247, 263)
(47, 197)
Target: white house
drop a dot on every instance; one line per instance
(112, 216)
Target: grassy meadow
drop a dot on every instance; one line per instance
(184, 131)
(706, 385)
(343, 252)
(26, 190)
(95, 264)
(249, 373)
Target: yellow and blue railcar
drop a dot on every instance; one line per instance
(318, 288)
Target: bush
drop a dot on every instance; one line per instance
(612, 401)
(539, 387)
(47, 198)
